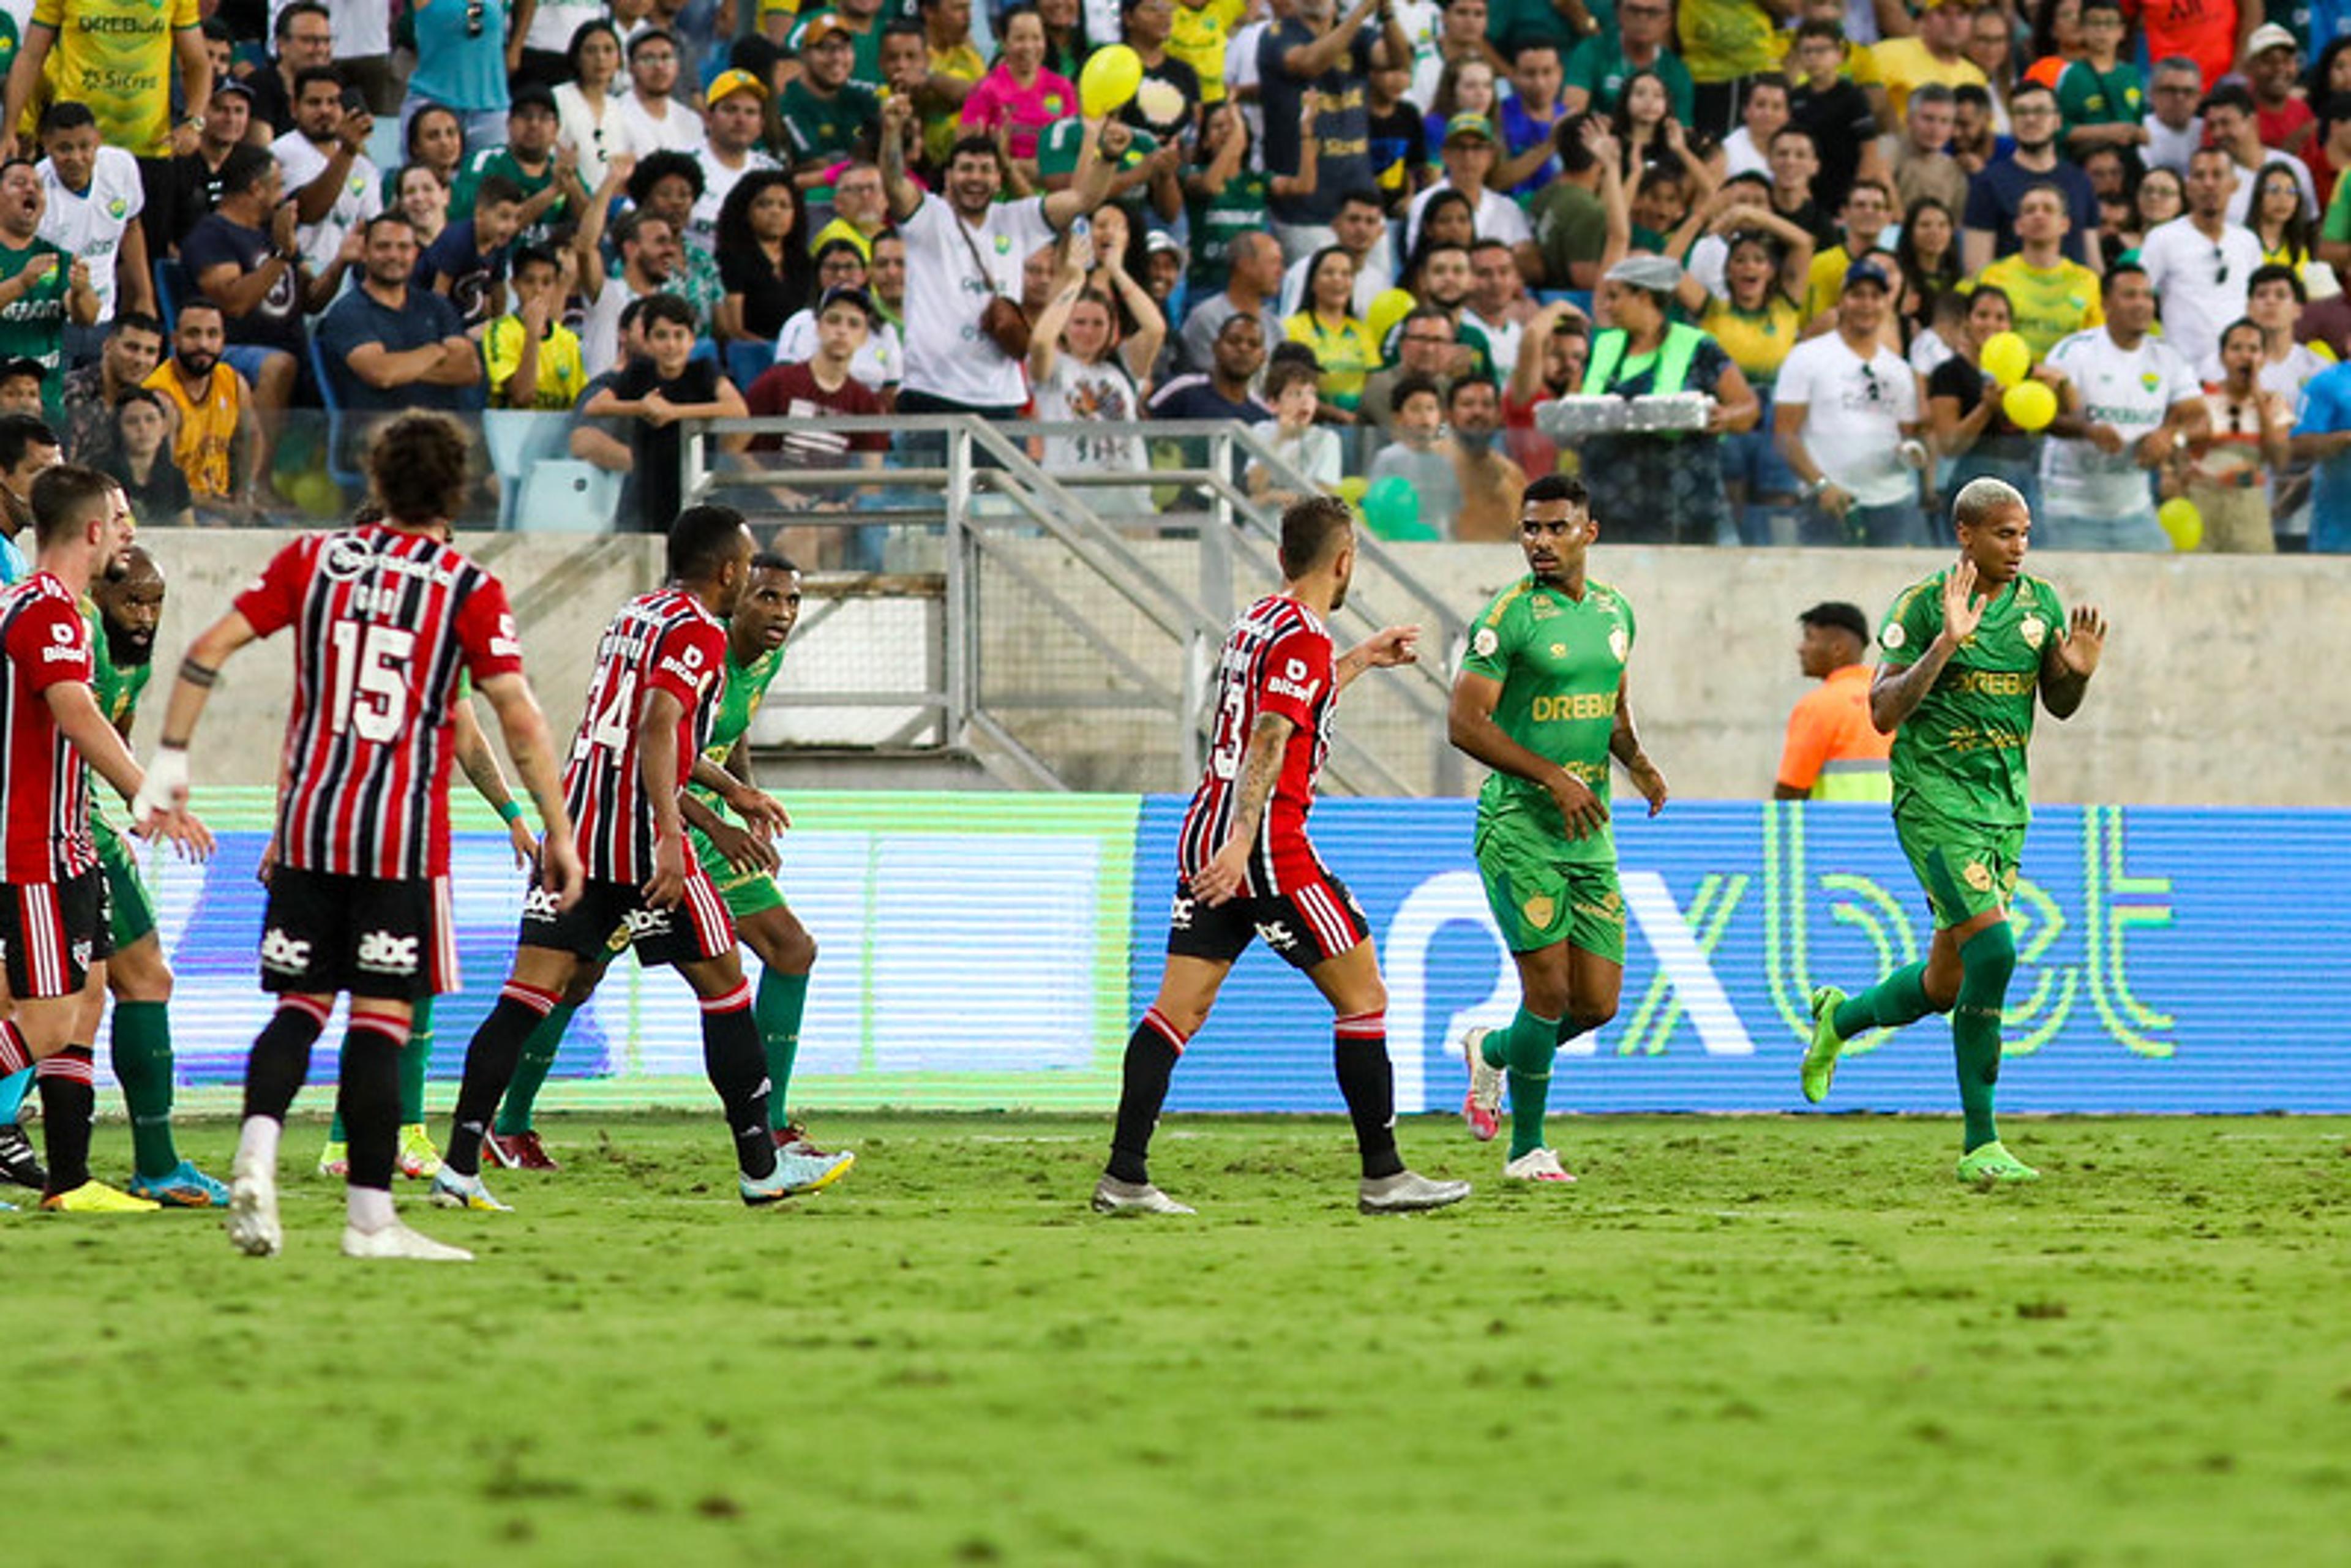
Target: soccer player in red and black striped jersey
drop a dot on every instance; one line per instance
(53, 916)
(1244, 868)
(660, 673)
(385, 618)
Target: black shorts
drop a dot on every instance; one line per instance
(387, 937)
(52, 933)
(695, 927)
(1315, 920)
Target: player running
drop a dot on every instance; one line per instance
(53, 912)
(1982, 640)
(385, 618)
(124, 608)
(742, 864)
(1244, 868)
(651, 705)
(1542, 699)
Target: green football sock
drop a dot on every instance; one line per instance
(1532, 1043)
(1987, 960)
(415, 1058)
(778, 1007)
(142, 1063)
(530, 1073)
(1897, 999)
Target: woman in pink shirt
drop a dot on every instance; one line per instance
(1019, 98)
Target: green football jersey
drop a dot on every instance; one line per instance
(1560, 663)
(118, 688)
(33, 326)
(1960, 755)
(747, 688)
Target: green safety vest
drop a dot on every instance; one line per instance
(1853, 779)
(1673, 356)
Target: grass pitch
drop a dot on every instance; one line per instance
(1769, 1341)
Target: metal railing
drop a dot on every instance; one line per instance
(1077, 646)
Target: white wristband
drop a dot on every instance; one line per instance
(165, 786)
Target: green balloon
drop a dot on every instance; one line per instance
(1392, 509)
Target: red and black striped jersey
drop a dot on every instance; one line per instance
(384, 623)
(663, 640)
(1277, 660)
(43, 783)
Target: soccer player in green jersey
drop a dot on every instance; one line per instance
(125, 606)
(1967, 651)
(1542, 700)
(743, 865)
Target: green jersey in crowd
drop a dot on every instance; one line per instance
(1960, 757)
(1561, 662)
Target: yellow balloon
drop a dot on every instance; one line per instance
(1386, 310)
(2182, 521)
(2030, 405)
(1109, 79)
(1352, 489)
(2007, 357)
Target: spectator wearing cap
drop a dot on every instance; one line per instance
(1989, 225)
(1847, 412)
(1663, 488)
(2274, 70)
(304, 35)
(1468, 157)
(826, 116)
(2230, 123)
(1016, 101)
(93, 199)
(881, 355)
(335, 186)
(1833, 750)
(463, 58)
(545, 173)
(1318, 57)
(651, 115)
(1936, 53)
(1603, 62)
(733, 119)
(1251, 288)
(194, 185)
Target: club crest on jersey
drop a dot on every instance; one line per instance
(1978, 877)
(286, 955)
(1619, 645)
(385, 952)
(2034, 629)
(343, 558)
(1539, 910)
(1484, 643)
(1892, 637)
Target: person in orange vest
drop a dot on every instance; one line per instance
(1834, 752)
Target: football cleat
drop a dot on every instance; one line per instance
(1112, 1195)
(793, 1138)
(96, 1197)
(1821, 1057)
(451, 1190)
(1482, 1106)
(517, 1152)
(416, 1158)
(185, 1186)
(1537, 1164)
(253, 1210)
(396, 1241)
(1406, 1192)
(18, 1163)
(1990, 1164)
(335, 1160)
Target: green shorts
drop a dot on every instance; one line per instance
(133, 910)
(746, 893)
(1966, 871)
(1541, 898)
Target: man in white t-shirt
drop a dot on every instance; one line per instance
(2200, 263)
(962, 248)
(93, 214)
(335, 186)
(2130, 403)
(654, 120)
(1845, 413)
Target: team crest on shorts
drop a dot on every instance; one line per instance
(2034, 629)
(1978, 877)
(1539, 910)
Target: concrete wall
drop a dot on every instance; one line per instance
(2226, 679)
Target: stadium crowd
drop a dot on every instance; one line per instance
(1871, 251)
